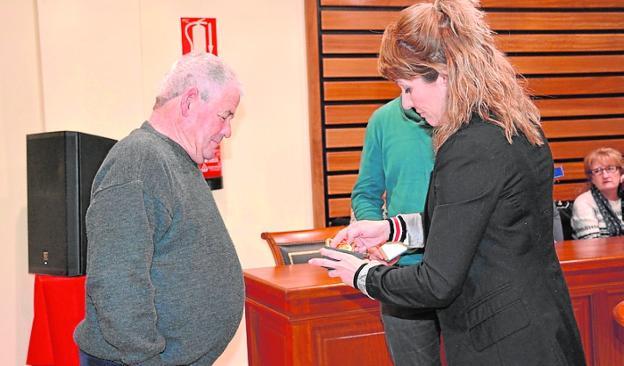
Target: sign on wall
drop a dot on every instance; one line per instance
(199, 34)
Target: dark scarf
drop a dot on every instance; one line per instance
(614, 224)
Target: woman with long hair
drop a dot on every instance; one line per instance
(489, 270)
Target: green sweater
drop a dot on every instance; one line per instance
(397, 159)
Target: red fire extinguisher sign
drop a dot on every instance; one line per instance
(200, 34)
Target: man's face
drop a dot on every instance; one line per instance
(212, 123)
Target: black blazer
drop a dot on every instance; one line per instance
(490, 269)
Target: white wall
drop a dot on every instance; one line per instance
(20, 113)
(97, 71)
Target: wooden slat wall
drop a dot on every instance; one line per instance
(570, 52)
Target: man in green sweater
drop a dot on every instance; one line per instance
(397, 159)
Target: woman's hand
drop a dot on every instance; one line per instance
(375, 254)
(363, 235)
(343, 265)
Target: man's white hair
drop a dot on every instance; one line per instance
(205, 71)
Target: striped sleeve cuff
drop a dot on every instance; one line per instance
(360, 278)
(398, 228)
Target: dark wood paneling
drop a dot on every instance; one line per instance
(339, 207)
(369, 2)
(344, 137)
(580, 107)
(555, 21)
(582, 313)
(567, 64)
(560, 42)
(377, 90)
(360, 90)
(332, 338)
(340, 184)
(356, 20)
(351, 43)
(546, 4)
(343, 160)
(537, 65)
(343, 184)
(578, 149)
(350, 67)
(369, 43)
(612, 349)
(576, 85)
(584, 127)
(572, 171)
(378, 20)
(358, 113)
(548, 47)
(568, 191)
(314, 113)
(349, 160)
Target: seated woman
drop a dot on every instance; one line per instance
(597, 213)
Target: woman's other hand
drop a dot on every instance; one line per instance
(362, 235)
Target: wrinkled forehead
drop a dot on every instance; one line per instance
(228, 97)
(231, 102)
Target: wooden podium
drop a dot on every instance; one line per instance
(297, 315)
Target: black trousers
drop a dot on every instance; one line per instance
(412, 337)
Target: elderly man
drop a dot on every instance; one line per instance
(164, 283)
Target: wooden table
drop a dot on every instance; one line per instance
(594, 271)
(297, 315)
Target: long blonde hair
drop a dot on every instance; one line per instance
(452, 38)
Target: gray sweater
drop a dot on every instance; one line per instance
(164, 283)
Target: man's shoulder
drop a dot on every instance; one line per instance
(138, 139)
(137, 154)
(140, 145)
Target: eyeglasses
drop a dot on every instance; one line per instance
(610, 169)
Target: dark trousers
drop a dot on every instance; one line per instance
(413, 341)
(88, 360)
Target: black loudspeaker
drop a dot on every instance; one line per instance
(60, 167)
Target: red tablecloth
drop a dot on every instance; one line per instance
(59, 307)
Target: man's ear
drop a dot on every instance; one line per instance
(189, 97)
